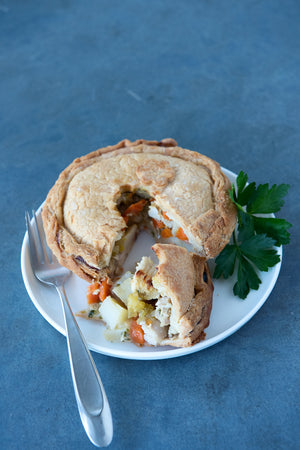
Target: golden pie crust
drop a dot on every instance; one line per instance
(186, 279)
(80, 215)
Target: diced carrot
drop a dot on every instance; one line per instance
(165, 216)
(136, 333)
(180, 234)
(105, 288)
(166, 233)
(158, 224)
(92, 287)
(135, 208)
(93, 293)
(98, 291)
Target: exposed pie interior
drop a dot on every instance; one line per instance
(170, 302)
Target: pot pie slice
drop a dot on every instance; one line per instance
(167, 304)
(94, 211)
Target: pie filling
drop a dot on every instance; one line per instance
(140, 211)
(137, 308)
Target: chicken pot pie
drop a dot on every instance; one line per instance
(99, 203)
(167, 304)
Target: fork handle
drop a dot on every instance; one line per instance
(89, 391)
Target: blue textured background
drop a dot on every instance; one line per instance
(222, 78)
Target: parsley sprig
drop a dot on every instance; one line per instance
(252, 248)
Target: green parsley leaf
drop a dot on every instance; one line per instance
(233, 197)
(225, 262)
(241, 181)
(244, 196)
(246, 278)
(246, 226)
(264, 200)
(274, 228)
(259, 249)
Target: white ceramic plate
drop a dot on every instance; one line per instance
(229, 313)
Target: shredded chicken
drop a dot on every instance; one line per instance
(163, 310)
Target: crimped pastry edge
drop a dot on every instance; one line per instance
(214, 227)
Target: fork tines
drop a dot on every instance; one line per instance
(37, 239)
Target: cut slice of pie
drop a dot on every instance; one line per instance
(165, 304)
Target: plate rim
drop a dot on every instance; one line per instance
(160, 354)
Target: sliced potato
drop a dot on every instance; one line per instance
(113, 313)
(123, 290)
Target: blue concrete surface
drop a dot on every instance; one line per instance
(222, 78)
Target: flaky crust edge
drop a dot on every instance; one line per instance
(181, 274)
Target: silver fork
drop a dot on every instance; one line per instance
(91, 399)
